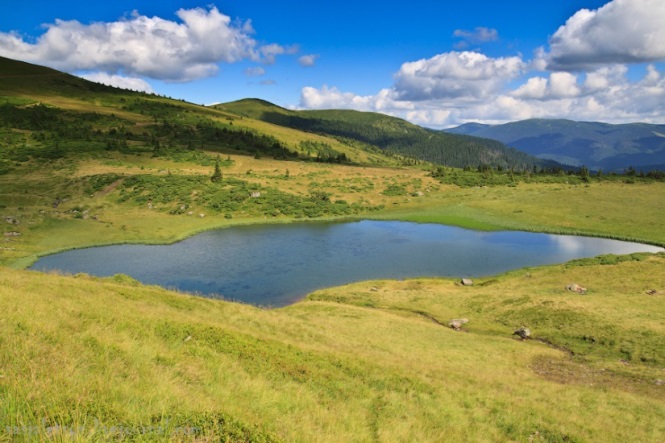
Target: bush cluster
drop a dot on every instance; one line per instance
(178, 194)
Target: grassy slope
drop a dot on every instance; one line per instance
(36, 84)
(359, 363)
(609, 209)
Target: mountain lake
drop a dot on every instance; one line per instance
(276, 265)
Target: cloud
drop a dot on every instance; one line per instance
(131, 83)
(608, 77)
(455, 75)
(478, 35)
(534, 88)
(585, 76)
(308, 60)
(332, 98)
(563, 84)
(602, 95)
(256, 71)
(270, 52)
(622, 31)
(188, 49)
(268, 82)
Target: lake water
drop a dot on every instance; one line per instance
(275, 265)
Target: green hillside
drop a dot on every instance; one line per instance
(46, 114)
(390, 134)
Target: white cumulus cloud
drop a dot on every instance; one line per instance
(256, 71)
(131, 83)
(152, 47)
(479, 35)
(333, 98)
(602, 95)
(622, 31)
(460, 75)
(308, 60)
(270, 52)
(534, 88)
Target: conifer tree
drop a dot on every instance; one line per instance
(217, 175)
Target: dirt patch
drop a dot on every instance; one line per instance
(555, 346)
(568, 371)
(107, 190)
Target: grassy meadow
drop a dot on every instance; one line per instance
(103, 359)
(88, 359)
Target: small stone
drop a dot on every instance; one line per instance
(12, 234)
(467, 282)
(659, 382)
(457, 323)
(373, 289)
(523, 333)
(574, 287)
(202, 215)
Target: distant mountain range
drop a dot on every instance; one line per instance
(591, 144)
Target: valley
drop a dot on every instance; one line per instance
(89, 358)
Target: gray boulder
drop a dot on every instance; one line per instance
(523, 333)
(574, 287)
(457, 323)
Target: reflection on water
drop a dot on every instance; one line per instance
(276, 265)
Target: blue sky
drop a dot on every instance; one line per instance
(435, 63)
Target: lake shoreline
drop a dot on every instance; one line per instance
(26, 262)
(271, 264)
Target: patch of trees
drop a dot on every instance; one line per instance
(486, 175)
(54, 132)
(322, 152)
(154, 108)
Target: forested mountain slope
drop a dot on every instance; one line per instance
(390, 134)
